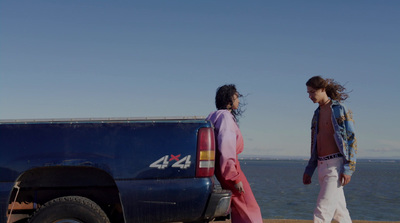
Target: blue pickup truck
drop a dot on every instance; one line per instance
(109, 170)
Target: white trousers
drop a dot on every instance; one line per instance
(331, 203)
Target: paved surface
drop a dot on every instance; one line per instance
(310, 221)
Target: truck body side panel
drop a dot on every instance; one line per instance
(141, 156)
(150, 201)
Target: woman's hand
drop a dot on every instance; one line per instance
(239, 187)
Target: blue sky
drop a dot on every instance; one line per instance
(79, 59)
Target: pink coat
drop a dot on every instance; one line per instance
(227, 169)
(229, 144)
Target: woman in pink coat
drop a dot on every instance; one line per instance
(229, 144)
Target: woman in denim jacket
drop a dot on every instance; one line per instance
(333, 149)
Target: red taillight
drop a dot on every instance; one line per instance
(205, 153)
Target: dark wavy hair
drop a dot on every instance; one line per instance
(224, 97)
(334, 90)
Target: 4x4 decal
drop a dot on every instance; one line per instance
(164, 161)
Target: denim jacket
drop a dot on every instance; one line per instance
(343, 124)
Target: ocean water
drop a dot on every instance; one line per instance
(373, 193)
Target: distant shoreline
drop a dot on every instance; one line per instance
(268, 158)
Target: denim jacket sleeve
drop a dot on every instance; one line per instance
(345, 137)
(313, 161)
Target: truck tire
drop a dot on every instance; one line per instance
(72, 209)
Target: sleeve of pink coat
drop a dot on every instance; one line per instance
(227, 146)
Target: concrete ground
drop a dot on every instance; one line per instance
(310, 221)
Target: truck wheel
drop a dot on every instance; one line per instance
(71, 209)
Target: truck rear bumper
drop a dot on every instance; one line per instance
(219, 204)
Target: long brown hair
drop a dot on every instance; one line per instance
(334, 90)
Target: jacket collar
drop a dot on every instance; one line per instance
(335, 102)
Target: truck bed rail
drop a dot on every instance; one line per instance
(101, 120)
